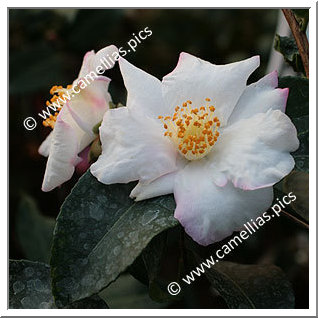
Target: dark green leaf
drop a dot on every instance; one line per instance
(251, 286)
(29, 285)
(302, 16)
(298, 110)
(92, 302)
(298, 183)
(138, 270)
(152, 257)
(34, 231)
(301, 156)
(298, 99)
(288, 48)
(30, 288)
(99, 233)
(127, 292)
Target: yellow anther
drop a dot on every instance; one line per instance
(58, 93)
(192, 130)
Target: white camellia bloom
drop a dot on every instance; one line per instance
(203, 135)
(72, 125)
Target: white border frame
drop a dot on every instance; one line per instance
(312, 190)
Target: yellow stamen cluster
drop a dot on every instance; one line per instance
(57, 92)
(193, 130)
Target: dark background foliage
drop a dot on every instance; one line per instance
(46, 48)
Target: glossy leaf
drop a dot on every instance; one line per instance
(99, 233)
(298, 98)
(298, 110)
(153, 257)
(288, 48)
(302, 16)
(298, 183)
(251, 286)
(127, 292)
(301, 156)
(34, 231)
(30, 288)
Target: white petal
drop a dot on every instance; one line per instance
(109, 55)
(194, 79)
(89, 106)
(63, 156)
(44, 148)
(83, 138)
(161, 186)
(134, 148)
(92, 60)
(210, 213)
(144, 91)
(255, 152)
(259, 97)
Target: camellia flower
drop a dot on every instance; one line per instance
(203, 135)
(81, 106)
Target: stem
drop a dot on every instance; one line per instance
(300, 37)
(295, 219)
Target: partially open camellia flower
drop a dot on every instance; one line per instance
(203, 135)
(72, 124)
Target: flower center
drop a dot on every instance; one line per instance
(56, 103)
(192, 130)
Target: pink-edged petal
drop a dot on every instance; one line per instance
(255, 152)
(194, 79)
(259, 97)
(83, 138)
(87, 64)
(63, 156)
(45, 146)
(144, 91)
(89, 106)
(210, 213)
(133, 148)
(84, 164)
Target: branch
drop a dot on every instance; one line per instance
(300, 37)
(295, 219)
